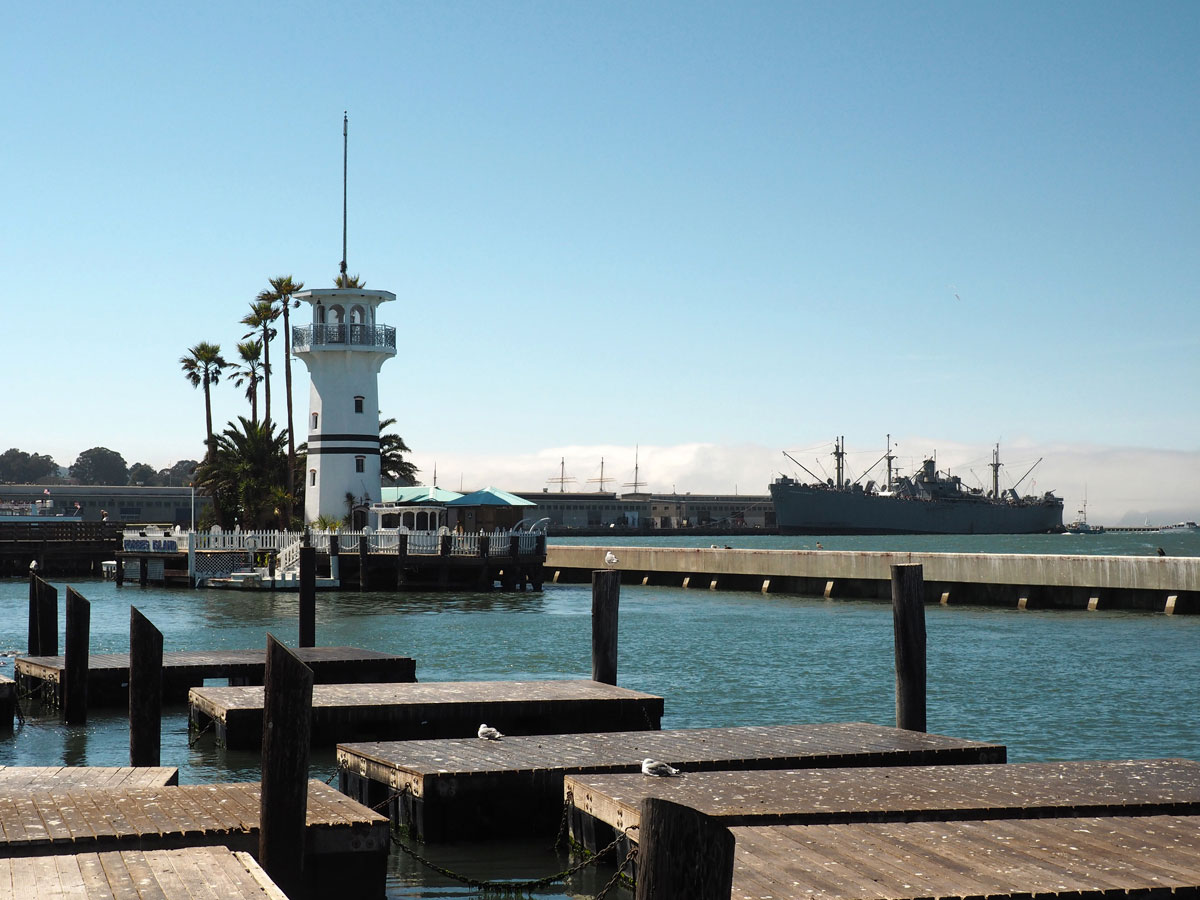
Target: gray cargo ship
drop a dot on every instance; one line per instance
(924, 503)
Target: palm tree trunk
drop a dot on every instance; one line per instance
(266, 377)
(208, 420)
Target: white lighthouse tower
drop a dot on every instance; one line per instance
(344, 348)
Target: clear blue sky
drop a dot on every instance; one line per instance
(738, 227)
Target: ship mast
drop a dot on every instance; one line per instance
(889, 457)
(995, 465)
(839, 455)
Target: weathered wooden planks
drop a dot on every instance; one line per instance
(196, 873)
(1080, 857)
(447, 789)
(906, 793)
(108, 673)
(348, 712)
(15, 777)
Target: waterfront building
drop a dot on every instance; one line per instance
(135, 504)
(645, 511)
(344, 348)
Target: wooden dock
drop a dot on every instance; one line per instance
(471, 788)
(350, 712)
(20, 777)
(928, 831)
(1076, 857)
(604, 805)
(108, 673)
(188, 874)
(346, 843)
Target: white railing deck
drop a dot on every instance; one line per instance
(287, 543)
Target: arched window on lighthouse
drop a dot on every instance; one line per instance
(358, 404)
(314, 421)
(312, 477)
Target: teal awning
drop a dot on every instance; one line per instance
(490, 496)
(418, 495)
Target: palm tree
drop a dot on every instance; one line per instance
(262, 314)
(246, 471)
(282, 289)
(348, 281)
(392, 464)
(250, 372)
(202, 367)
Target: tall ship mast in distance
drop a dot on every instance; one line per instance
(927, 502)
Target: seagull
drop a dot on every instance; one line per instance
(610, 559)
(488, 733)
(660, 769)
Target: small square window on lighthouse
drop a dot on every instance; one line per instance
(360, 463)
(358, 404)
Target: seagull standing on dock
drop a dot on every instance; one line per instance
(658, 769)
(488, 733)
(610, 559)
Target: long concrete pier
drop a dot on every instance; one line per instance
(1169, 584)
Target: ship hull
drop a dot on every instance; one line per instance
(804, 509)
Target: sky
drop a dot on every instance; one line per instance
(702, 233)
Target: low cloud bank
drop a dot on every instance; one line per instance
(1122, 486)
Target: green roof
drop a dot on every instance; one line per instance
(418, 495)
(490, 496)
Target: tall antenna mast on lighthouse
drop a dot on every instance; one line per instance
(345, 149)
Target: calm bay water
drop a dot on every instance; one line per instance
(1050, 685)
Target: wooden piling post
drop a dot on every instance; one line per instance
(335, 563)
(43, 618)
(145, 690)
(364, 555)
(75, 665)
(143, 571)
(908, 615)
(119, 572)
(308, 597)
(682, 854)
(287, 721)
(401, 559)
(606, 597)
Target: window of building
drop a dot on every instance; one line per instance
(314, 424)
(360, 463)
(312, 476)
(358, 404)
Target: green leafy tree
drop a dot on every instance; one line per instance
(392, 464)
(247, 469)
(179, 475)
(249, 372)
(282, 289)
(141, 473)
(260, 318)
(100, 466)
(348, 281)
(202, 367)
(19, 467)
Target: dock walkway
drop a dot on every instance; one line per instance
(442, 789)
(603, 805)
(108, 673)
(195, 873)
(1076, 857)
(14, 777)
(350, 712)
(943, 831)
(344, 840)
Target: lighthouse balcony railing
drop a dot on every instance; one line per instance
(306, 337)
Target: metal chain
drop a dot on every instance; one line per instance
(512, 887)
(562, 826)
(629, 857)
(199, 734)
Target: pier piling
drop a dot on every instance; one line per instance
(606, 596)
(908, 614)
(287, 713)
(308, 597)
(682, 853)
(43, 617)
(75, 665)
(145, 690)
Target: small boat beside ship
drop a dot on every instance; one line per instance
(927, 502)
